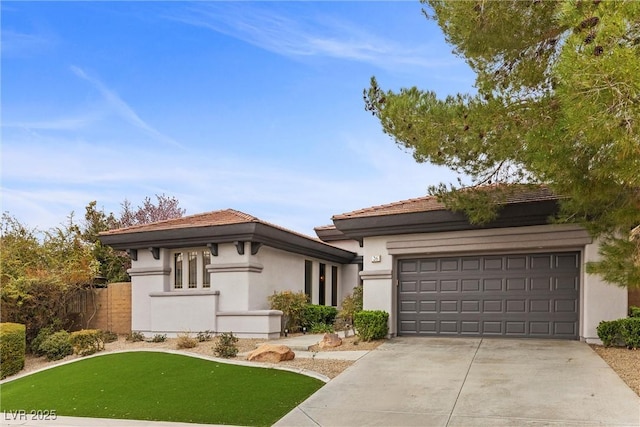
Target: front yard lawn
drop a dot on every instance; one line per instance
(161, 387)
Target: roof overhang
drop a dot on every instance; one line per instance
(256, 232)
(512, 215)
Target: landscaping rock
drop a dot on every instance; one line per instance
(271, 353)
(330, 340)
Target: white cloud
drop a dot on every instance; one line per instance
(317, 35)
(123, 109)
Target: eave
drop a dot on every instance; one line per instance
(255, 232)
(513, 215)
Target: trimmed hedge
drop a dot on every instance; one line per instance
(316, 315)
(620, 332)
(13, 345)
(87, 341)
(371, 324)
(634, 311)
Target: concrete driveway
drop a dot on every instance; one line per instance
(473, 382)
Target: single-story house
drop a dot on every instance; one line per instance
(428, 267)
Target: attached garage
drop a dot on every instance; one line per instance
(520, 275)
(513, 295)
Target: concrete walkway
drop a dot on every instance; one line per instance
(473, 382)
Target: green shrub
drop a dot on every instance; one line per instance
(634, 311)
(87, 341)
(12, 348)
(321, 328)
(204, 336)
(108, 336)
(43, 334)
(371, 324)
(318, 315)
(135, 336)
(609, 332)
(57, 346)
(630, 332)
(159, 338)
(292, 305)
(186, 341)
(226, 346)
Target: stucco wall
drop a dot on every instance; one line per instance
(600, 300)
(237, 298)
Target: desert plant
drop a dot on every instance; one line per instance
(292, 305)
(204, 336)
(12, 348)
(630, 332)
(371, 324)
(108, 336)
(87, 341)
(57, 346)
(186, 341)
(226, 345)
(351, 305)
(135, 336)
(159, 338)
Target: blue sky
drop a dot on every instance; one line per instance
(255, 106)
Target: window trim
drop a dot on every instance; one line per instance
(186, 272)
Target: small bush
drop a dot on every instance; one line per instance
(57, 346)
(159, 338)
(186, 341)
(372, 324)
(12, 348)
(204, 336)
(321, 328)
(634, 311)
(318, 315)
(609, 332)
(292, 305)
(135, 336)
(108, 336)
(42, 335)
(87, 341)
(351, 305)
(630, 332)
(226, 346)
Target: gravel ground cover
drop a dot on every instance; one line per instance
(625, 362)
(329, 368)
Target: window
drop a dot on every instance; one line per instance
(206, 277)
(322, 285)
(334, 286)
(177, 270)
(193, 269)
(308, 277)
(189, 270)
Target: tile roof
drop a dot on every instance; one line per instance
(430, 203)
(207, 219)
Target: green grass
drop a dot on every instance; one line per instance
(161, 387)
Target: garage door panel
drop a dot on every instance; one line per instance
(530, 295)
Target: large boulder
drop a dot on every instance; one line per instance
(330, 340)
(271, 353)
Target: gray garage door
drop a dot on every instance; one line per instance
(528, 295)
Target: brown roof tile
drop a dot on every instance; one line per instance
(430, 203)
(221, 217)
